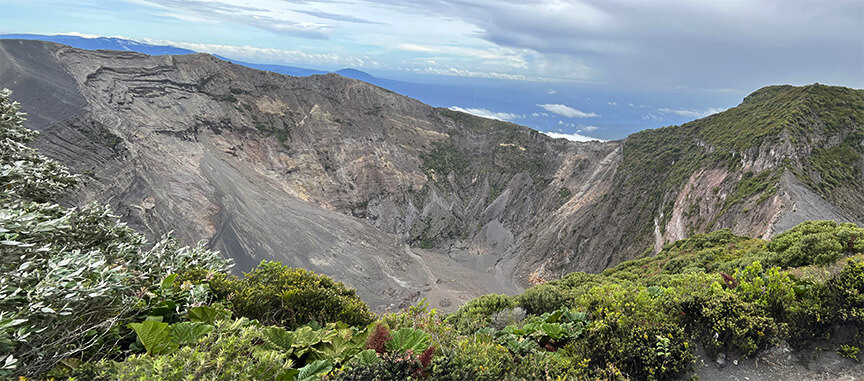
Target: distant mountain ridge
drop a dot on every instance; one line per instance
(403, 200)
(281, 69)
(104, 43)
(441, 95)
(122, 44)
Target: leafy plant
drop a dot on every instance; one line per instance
(69, 277)
(387, 367)
(476, 313)
(155, 336)
(407, 340)
(849, 351)
(229, 352)
(207, 314)
(162, 338)
(275, 294)
(313, 371)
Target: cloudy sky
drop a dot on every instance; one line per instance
(709, 45)
(706, 47)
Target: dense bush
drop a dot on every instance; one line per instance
(275, 294)
(69, 277)
(478, 357)
(541, 299)
(633, 328)
(385, 368)
(477, 312)
(723, 322)
(845, 295)
(231, 352)
(644, 316)
(815, 242)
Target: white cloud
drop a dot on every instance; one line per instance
(652, 117)
(644, 42)
(265, 55)
(567, 111)
(726, 91)
(612, 103)
(459, 72)
(590, 128)
(693, 113)
(85, 35)
(278, 20)
(551, 91)
(505, 57)
(482, 112)
(572, 137)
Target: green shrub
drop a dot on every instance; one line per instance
(642, 352)
(24, 173)
(724, 322)
(631, 328)
(477, 312)
(845, 295)
(849, 351)
(385, 368)
(404, 354)
(229, 353)
(771, 289)
(554, 366)
(814, 242)
(69, 277)
(478, 357)
(275, 294)
(541, 299)
(420, 317)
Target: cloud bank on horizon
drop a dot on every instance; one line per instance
(572, 137)
(707, 45)
(503, 116)
(567, 111)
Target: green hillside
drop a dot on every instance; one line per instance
(824, 126)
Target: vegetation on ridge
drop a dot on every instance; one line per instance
(824, 126)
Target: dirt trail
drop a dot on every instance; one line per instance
(780, 364)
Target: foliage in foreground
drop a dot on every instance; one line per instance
(70, 278)
(727, 293)
(82, 297)
(290, 297)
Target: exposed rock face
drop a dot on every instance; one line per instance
(394, 197)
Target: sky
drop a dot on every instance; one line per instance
(699, 56)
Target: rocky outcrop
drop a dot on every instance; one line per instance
(396, 198)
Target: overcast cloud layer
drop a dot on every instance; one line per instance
(700, 45)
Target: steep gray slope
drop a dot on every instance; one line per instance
(52, 94)
(805, 205)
